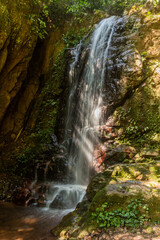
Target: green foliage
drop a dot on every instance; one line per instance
(111, 6)
(58, 71)
(118, 6)
(50, 103)
(139, 129)
(143, 56)
(79, 7)
(46, 121)
(71, 39)
(40, 20)
(41, 28)
(57, 11)
(134, 215)
(41, 135)
(24, 163)
(38, 25)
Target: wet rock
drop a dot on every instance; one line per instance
(42, 201)
(51, 162)
(59, 203)
(30, 201)
(21, 196)
(111, 122)
(54, 140)
(42, 189)
(117, 155)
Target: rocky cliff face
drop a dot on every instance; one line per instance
(140, 76)
(17, 44)
(130, 153)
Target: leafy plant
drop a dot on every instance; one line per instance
(38, 25)
(71, 39)
(25, 163)
(134, 215)
(111, 6)
(42, 136)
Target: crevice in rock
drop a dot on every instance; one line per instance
(20, 105)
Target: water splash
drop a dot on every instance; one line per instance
(65, 196)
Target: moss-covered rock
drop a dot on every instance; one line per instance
(139, 115)
(97, 183)
(118, 187)
(119, 195)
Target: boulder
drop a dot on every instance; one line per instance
(150, 153)
(97, 183)
(120, 194)
(118, 154)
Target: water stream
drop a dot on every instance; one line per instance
(28, 223)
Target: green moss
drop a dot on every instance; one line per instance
(141, 171)
(97, 183)
(72, 39)
(140, 117)
(154, 208)
(65, 224)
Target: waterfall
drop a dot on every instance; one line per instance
(85, 108)
(85, 115)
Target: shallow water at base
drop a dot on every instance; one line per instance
(28, 223)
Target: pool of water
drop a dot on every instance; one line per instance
(28, 223)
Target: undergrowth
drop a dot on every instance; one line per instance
(133, 215)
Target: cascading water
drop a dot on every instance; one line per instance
(85, 114)
(84, 117)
